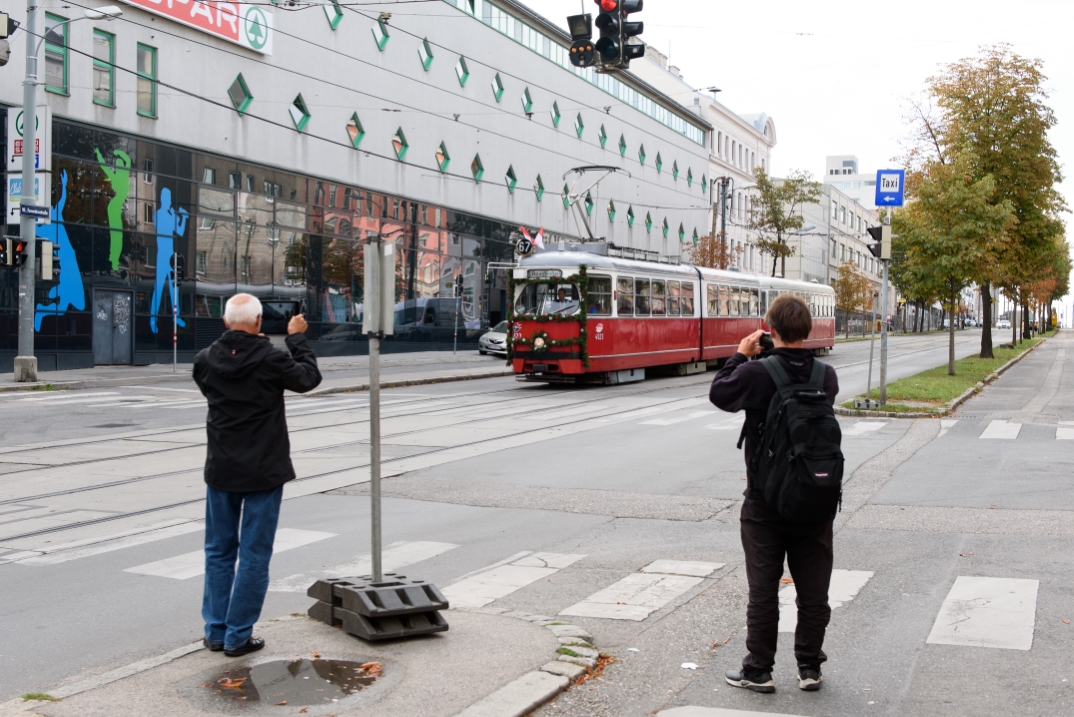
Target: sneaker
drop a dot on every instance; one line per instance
(809, 678)
(756, 681)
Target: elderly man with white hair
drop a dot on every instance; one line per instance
(243, 377)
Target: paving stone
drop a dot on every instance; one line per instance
(568, 670)
(569, 641)
(587, 652)
(520, 697)
(583, 661)
(570, 631)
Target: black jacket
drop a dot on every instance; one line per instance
(745, 385)
(243, 376)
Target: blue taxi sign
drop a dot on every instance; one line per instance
(890, 184)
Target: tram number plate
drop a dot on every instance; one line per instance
(545, 274)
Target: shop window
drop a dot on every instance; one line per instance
(55, 54)
(104, 68)
(147, 81)
(240, 95)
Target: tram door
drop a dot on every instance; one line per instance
(113, 327)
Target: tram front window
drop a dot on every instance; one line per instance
(548, 298)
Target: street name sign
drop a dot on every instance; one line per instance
(30, 210)
(245, 24)
(890, 185)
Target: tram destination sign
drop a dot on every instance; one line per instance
(545, 273)
(245, 24)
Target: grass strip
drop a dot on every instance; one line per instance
(934, 388)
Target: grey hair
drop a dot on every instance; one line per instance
(242, 310)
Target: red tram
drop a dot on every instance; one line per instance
(577, 315)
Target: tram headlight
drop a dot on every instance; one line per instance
(538, 343)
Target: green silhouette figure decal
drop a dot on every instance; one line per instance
(120, 179)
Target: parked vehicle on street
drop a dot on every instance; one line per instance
(1003, 324)
(494, 341)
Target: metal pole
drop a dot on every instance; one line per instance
(175, 312)
(458, 299)
(884, 327)
(26, 361)
(872, 344)
(374, 310)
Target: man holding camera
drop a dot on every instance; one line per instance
(768, 537)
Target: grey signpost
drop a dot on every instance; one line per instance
(890, 189)
(26, 361)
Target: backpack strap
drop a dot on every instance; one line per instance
(816, 379)
(778, 373)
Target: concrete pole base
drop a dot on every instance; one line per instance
(25, 369)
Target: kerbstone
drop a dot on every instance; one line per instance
(520, 697)
(566, 669)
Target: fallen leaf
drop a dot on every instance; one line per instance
(281, 703)
(969, 553)
(302, 710)
(714, 645)
(231, 684)
(961, 555)
(315, 653)
(727, 641)
(373, 668)
(1065, 621)
(787, 581)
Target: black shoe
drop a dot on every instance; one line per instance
(756, 681)
(809, 678)
(252, 645)
(213, 646)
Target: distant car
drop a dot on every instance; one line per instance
(494, 341)
(1003, 324)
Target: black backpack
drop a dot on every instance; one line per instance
(799, 466)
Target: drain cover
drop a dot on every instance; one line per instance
(300, 682)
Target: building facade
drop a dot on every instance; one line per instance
(841, 172)
(264, 162)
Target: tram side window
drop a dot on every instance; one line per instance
(641, 297)
(728, 301)
(625, 291)
(764, 303)
(659, 298)
(686, 300)
(712, 295)
(599, 296)
(673, 298)
(755, 302)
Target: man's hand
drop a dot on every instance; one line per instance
(297, 325)
(751, 345)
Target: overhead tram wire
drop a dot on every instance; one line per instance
(513, 138)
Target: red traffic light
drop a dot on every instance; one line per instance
(608, 5)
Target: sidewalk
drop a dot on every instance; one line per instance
(485, 665)
(341, 373)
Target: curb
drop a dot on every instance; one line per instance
(951, 405)
(355, 388)
(94, 382)
(575, 656)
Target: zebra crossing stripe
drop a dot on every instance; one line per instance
(497, 581)
(946, 424)
(678, 419)
(987, 612)
(1001, 430)
(844, 587)
(1064, 431)
(637, 596)
(860, 428)
(395, 556)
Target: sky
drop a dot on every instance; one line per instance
(835, 75)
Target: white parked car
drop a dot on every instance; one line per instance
(1003, 324)
(494, 341)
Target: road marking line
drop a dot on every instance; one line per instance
(395, 556)
(492, 584)
(844, 586)
(679, 419)
(62, 554)
(65, 397)
(566, 412)
(862, 427)
(190, 565)
(987, 612)
(634, 597)
(1064, 431)
(1001, 430)
(946, 424)
(729, 425)
(692, 568)
(161, 388)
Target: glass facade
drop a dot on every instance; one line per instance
(122, 206)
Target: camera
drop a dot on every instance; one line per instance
(766, 342)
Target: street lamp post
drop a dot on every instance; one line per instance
(26, 361)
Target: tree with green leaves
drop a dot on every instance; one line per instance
(853, 291)
(776, 211)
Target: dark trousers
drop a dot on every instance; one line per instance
(238, 527)
(809, 557)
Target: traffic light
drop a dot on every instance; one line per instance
(629, 30)
(583, 52)
(17, 252)
(610, 45)
(882, 236)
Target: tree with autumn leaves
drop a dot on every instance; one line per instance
(983, 205)
(853, 291)
(776, 211)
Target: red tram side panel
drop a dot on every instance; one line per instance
(618, 344)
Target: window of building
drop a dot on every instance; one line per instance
(208, 176)
(511, 179)
(299, 114)
(104, 68)
(462, 71)
(425, 54)
(147, 80)
(443, 159)
(250, 183)
(355, 131)
(234, 180)
(719, 144)
(334, 13)
(147, 170)
(833, 248)
(843, 214)
(55, 54)
(149, 212)
(380, 34)
(240, 95)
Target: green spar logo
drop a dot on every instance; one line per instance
(255, 27)
(18, 123)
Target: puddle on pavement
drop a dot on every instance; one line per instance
(300, 682)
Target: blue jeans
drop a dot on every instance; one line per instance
(233, 598)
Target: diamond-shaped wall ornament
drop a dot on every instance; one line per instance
(538, 188)
(704, 184)
(648, 222)
(381, 35)
(641, 155)
(602, 135)
(579, 125)
(334, 13)
(399, 144)
(566, 197)
(425, 53)
(443, 159)
(659, 163)
(511, 179)
(630, 216)
(665, 228)
(695, 236)
(355, 131)
(240, 95)
(462, 71)
(299, 114)
(682, 233)
(527, 101)
(622, 146)
(477, 168)
(675, 170)
(589, 203)
(611, 210)
(497, 87)
(556, 116)
(689, 177)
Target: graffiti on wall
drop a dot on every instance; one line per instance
(68, 293)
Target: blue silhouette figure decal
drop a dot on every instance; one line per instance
(68, 293)
(170, 224)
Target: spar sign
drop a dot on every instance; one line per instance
(244, 24)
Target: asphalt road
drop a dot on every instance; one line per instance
(607, 480)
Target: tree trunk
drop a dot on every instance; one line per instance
(783, 257)
(1014, 322)
(986, 321)
(951, 335)
(1026, 333)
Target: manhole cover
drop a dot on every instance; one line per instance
(300, 682)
